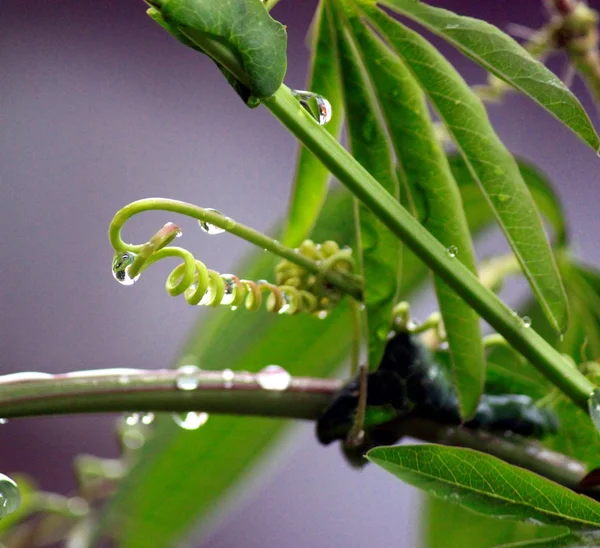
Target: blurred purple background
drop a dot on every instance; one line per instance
(99, 107)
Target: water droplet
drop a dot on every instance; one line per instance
(10, 496)
(121, 263)
(322, 314)
(191, 420)
(178, 231)
(273, 377)
(286, 303)
(452, 251)
(187, 377)
(209, 228)
(230, 289)
(147, 418)
(526, 321)
(133, 419)
(3, 421)
(137, 419)
(228, 375)
(316, 105)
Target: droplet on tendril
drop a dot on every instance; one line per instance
(187, 377)
(273, 377)
(191, 420)
(228, 375)
(526, 321)
(286, 303)
(230, 288)
(209, 228)
(452, 251)
(120, 267)
(316, 105)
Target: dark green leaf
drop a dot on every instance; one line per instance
(502, 56)
(310, 181)
(422, 164)
(449, 525)
(380, 250)
(241, 28)
(490, 162)
(488, 485)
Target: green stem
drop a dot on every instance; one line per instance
(348, 284)
(225, 392)
(350, 173)
(123, 390)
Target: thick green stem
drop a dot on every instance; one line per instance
(350, 173)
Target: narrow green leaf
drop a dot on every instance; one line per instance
(488, 485)
(243, 27)
(424, 166)
(310, 180)
(490, 162)
(503, 57)
(449, 525)
(380, 250)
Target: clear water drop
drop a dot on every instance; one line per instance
(316, 105)
(187, 377)
(452, 251)
(120, 265)
(209, 228)
(286, 303)
(273, 377)
(230, 288)
(228, 375)
(526, 321)
(191, 420)
(10, 496)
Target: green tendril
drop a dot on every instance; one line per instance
(312, 278)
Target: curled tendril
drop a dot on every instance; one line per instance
(297, 289)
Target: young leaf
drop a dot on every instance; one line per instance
(310, 181)
(490, 162)
(380, 250)
(488, 485)
(425, 169)
(243, 28)
(503, 57)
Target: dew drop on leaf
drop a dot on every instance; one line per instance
(273, 377)
(452, 251)
(316, 105)
(594, 408)
(187, 377)
(191, 420)
(209, 228)
(526, 321)
(120, 265)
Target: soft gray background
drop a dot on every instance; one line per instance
(99, 107)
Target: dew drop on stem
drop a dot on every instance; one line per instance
(188, 377)
(209, 228)
(273, 377)
(316, 105)
(526, 321)
(228, 375)
(452, 251)
(191, 420)
(120, 266)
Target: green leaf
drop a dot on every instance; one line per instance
(490, 162)
(310, 181)
(488, 485)
(503, 57)
(241, 28)
(449, 525)
(380, 250)
(424, 168)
